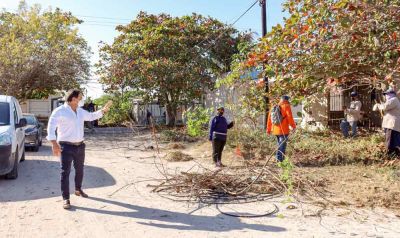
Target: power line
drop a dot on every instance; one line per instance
(112, 24)
(93, 24)
(244, 13)
(106, 22)
(231, 25)
(90, 17)
(223, 32)
(226, 30)
(129, 20)
(108, 18)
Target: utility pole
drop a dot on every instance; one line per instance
(263, 4)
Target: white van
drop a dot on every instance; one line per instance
(12, 136)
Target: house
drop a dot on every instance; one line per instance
(158, 112)
(41, 108)
(325, 110)
(139, 111)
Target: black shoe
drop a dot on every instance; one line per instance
(81, 193)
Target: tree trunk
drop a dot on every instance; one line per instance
(171, 114)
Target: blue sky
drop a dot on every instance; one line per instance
(101, 16)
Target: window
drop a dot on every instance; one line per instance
(16, 121)
(336, 100)
(31, 120)
(4, 114)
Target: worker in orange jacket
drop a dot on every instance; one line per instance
(279, 119)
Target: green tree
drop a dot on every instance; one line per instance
(197, 121)
(169, 59)
(121, 109)
(40, 52)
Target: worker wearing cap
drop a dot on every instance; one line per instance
(218, 134)
(391, 121)
(353, 115)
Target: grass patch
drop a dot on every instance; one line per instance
(176, 146)
(318, 150)
(178, 156)
(312, 149)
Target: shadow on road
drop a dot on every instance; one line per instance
(40, 179)
(177, 220)
(44, 150)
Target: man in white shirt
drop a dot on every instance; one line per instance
(68, 144)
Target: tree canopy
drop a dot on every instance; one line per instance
(330, 42)
(169, 59)
(40, 52)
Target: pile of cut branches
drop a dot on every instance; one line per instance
(228, 184)
(233, 184)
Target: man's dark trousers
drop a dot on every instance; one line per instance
(218, 147)
(69, 154)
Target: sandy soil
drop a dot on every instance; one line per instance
(118, 167)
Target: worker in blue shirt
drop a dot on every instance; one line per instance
(218, 134)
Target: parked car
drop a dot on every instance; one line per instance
(33, 132)
(12, 136)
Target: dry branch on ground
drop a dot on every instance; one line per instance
(228, 184)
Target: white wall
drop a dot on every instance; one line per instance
(41, 108)
(38, 107)
(315, 112)
(139, 112)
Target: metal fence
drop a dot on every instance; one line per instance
(339, 97)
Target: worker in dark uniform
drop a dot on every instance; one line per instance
(218, 135)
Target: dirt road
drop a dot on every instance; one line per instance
(31, 206)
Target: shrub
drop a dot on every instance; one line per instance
(172, 135)
(252, 143)
(121, 109)
(197, 121)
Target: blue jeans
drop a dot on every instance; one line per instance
(282, 142)
(345, 127)
(353, 125)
